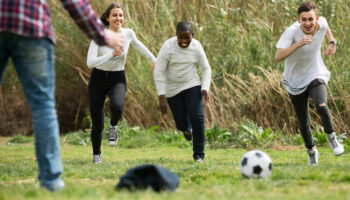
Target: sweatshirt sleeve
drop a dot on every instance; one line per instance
(93, 60)
(205, 68)
(141, 47)
(160, 70)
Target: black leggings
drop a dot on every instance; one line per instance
(102, 84)
(317, 90)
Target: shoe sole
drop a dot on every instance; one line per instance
(339, 154)
(111, 145)
(115, 142)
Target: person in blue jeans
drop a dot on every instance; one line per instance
(178, 83)
(26, 36)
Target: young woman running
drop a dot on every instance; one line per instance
(108, 78)
(305, 74)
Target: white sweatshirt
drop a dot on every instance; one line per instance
(102, 57)
(175, 68)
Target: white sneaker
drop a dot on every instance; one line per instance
(97, 159)
(112, 135)
(337, 148)
(58, 185)
(313, 156)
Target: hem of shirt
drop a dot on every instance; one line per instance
(110, 70)
(184, 87)
(326, 79)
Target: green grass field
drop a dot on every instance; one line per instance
(217, 178)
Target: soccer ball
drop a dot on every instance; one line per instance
(255, 164)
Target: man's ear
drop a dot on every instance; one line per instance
(317, 17)
(298, 19)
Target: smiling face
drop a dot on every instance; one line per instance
(116, 19)
(184, 38)
(308, 22)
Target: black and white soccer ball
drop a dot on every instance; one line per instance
(255, 164)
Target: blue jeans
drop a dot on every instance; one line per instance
(33, 59)
(187, 109)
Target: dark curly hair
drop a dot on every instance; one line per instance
(184, 26)
(107, 12)
(306, 7)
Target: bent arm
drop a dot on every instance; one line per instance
(283, 53)
(331, 47)
(329, 34)
(93, 60)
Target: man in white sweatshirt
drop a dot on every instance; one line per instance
(178, 83)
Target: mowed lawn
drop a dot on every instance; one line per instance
(217, 178)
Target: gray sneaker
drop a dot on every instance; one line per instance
(112, 135)
(188, 135)
(97, 159)
(337, 148)
(313, 156)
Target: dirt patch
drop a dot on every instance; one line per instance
(283, 147)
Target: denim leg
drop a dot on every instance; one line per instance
(33, 60)
(301, 107)
(178, 108)
(194, 107)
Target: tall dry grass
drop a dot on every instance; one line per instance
(239, 38)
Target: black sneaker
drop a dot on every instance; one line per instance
(188, 135)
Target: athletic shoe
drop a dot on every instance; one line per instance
(112, 135)
(58, 185)
(188, 135)
(97, 159)
(313, 156)
(198, 159)
(337, 148)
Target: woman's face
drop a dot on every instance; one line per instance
(184, 39)
(116, 18)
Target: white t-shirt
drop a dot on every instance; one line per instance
(102, 57)
(305, 64)
(175, 68)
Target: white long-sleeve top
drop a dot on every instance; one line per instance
(101, 57)
(175, 68)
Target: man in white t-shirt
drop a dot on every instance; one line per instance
(305, 75)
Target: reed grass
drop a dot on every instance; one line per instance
(239, 38)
